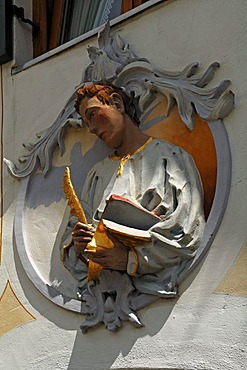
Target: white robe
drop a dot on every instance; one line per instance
(162, 178)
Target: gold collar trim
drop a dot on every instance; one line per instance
(125, 158)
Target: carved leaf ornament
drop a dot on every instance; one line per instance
(114, 62)
(114, 299)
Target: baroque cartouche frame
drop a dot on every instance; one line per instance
(114, 61)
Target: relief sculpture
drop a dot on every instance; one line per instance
(150, 207)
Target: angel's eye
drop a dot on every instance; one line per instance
(91, 115)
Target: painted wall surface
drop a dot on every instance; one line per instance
(206, 327)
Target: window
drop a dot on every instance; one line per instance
(62, 20)
(5, 31)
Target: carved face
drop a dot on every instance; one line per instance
(105, 121)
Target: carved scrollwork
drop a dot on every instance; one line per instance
(41, 152)
(113, 298)
(108, 302)
(113, 61)
(186, 88)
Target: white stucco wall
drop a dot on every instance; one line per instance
(202, 329)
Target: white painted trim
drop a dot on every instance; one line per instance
(222, 191)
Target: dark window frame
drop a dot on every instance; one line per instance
(49, 15)
(6, 44)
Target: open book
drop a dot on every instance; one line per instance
(123, 216)
(127, 221)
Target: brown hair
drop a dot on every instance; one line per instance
(103, 94)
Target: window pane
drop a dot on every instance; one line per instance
(81, 16)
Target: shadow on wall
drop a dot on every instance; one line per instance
(90, 350)
(46, 190)
(103, 348)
